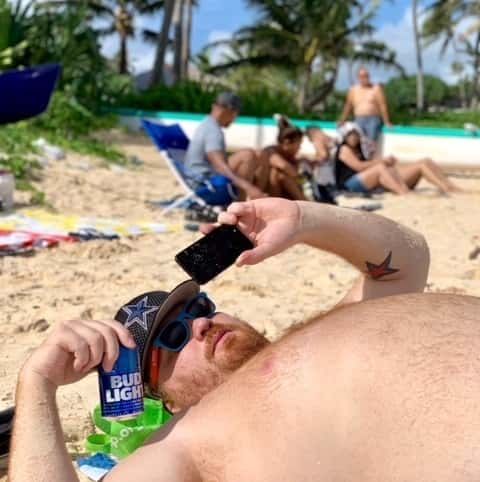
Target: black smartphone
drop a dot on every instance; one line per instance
(214, 253)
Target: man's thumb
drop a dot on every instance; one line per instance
(253, 256)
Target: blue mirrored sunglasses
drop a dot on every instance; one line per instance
(177, 332)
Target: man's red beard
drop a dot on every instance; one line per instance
(241, 345)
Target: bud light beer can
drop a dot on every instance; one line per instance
(121, 390)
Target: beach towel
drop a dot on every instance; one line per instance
(43, 222)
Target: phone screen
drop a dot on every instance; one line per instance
(212, 254)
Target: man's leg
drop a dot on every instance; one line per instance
(244, 164)
(426, 168)
(384, 176)
(370, 125)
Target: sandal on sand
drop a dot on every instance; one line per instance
(205, 214)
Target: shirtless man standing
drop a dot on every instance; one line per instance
(379, 390)
(369, 106)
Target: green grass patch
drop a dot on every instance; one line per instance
(66, 124)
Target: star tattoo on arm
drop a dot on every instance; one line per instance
(377, 271)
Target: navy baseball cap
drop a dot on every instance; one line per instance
(229, 100)
(144, 314)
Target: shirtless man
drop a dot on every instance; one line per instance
(382, 390)
(369, 106)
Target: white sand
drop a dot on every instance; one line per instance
(91, 280)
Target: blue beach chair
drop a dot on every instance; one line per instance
(172, 142)
(26, 92)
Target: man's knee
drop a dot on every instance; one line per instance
(427, 162)
(250, 154)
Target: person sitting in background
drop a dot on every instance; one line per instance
(278, 171)
(356, 173)
(319, 169)
(206, 158)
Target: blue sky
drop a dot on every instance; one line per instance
(229, 15)
(216, 19)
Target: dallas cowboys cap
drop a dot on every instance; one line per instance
(143, 315)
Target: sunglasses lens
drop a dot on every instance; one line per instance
(200, 307)
(174, 335)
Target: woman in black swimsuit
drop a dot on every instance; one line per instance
(353, 172)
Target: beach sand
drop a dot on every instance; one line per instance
(91, 280)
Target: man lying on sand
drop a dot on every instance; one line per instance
(381, 388)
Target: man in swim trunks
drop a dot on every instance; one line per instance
(369, 106)
(379, 390)
(206, 156)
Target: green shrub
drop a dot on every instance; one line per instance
(193, 96)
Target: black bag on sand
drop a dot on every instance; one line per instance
(6, 423)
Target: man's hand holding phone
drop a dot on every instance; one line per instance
(271, 224)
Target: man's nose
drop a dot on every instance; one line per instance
(200, 326)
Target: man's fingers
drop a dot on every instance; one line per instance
(111, 344)
(125, 337)
(95, 341)
(254, 256)
(206, 228)
(73, 343)
(240, 209)
(227, 218)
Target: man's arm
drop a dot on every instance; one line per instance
(382, 103)
(71, 351)
(38, 451)
(219, 163)
(347, 108)
(160, 459)
(392, 259)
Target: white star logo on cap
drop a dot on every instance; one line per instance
(138, 313)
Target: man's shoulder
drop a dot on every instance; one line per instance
(209, 122)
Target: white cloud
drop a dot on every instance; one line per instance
(218, 53)
(399, 37)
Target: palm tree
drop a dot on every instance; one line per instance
(179, 14)
(457, 69)
(162, 42)
(177, 22)
(418, 56)
(187, 35)
(309, 38)
(120, 15)
(443, 19)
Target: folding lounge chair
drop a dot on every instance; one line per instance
(173, 143)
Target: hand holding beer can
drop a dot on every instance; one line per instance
(121, 390)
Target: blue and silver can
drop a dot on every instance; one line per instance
(121, 390)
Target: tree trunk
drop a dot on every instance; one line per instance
(123, 55)
(178, 40)
(303, 89)
(418, 55)
(325, 90)
(476, 74)
(157, 70)
(187, 34)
